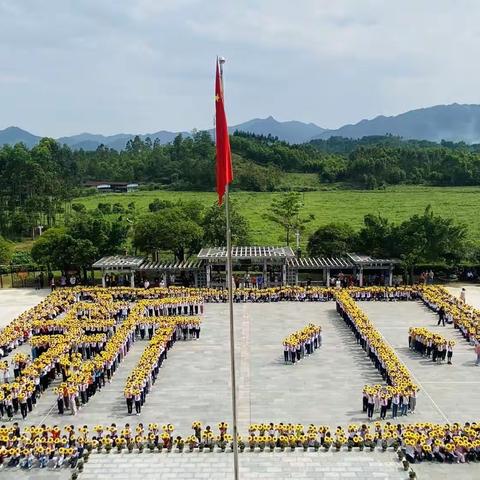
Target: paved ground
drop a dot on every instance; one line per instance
(14, 301)
(472, 295)
(219, 466)
(448, 392)
(322, 389)
(264, 466)
(194, 383)
(438, 471)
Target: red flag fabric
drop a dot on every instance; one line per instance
(224, 156)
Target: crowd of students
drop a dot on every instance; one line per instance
(54, 447)
(302, 343)
(82, 335)
(392, 294)
(464, 317)
(393, 371)
(144, 375)
(430, 344)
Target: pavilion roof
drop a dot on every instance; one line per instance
(368, 261)
(246, 253)
(190, 264)
(118, 262)
(320, 262)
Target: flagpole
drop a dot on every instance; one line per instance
(230, 308)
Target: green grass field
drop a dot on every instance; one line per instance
(396, 203)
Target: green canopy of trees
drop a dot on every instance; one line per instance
(6, 251)
(86, 237)
(183, 228)
(285, 211)
(421, 239)
(36, 184)
(333, 239)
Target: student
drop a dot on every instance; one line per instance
(383, 407)
(441, 316)
(129, 399)
(370, 405)
(138, 404)
(404, 404)
(477, 351)
(395, 404)
(413, 401)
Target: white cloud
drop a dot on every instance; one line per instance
(145, 65)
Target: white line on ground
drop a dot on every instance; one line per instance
(419, 384)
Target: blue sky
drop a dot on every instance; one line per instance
(137, 66)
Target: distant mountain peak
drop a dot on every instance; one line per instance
(455, 122)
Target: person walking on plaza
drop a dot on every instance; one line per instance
(395, 404)
(370, 405)
(413, 400)
(477, 351)
(404, 400)
(129, 399)
(383, 407)
(441, 316)
(449, 353)
(138, 403)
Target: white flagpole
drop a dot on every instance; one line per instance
(232, 325)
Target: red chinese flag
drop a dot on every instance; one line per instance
(224, 156)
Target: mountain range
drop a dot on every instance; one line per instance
(455, 122)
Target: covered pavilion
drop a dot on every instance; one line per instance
(271, 266)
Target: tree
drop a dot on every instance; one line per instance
(83, 254)
(159, 204)
(429, 239)
(376, 236)
(53, 249)
(168, 229)
(118, 208)
(6, 251)
(285, 211)
(214, 226)
(105, 208)
(107, 234)
(58, 249)
(79, 207)
(331, 240)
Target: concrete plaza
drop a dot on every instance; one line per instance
(325, 388)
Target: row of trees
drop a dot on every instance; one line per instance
(378, 165)
(421, 239)
(179, 228)
(182, 228)
(37, 184)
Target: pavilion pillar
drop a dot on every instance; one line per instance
(265, 279)
(208, 275)
(327, 277)
(132, 279)
(103, 279)
(296, 276)
(360, 277)
(284, 274)
(390, 276)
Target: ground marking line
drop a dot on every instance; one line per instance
(46, 416)
(452, 383)
(416, 379)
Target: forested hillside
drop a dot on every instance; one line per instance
(35, 182)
